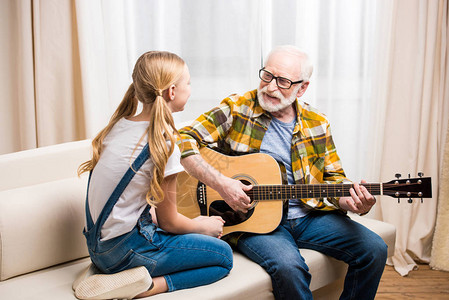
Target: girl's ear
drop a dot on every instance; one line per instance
(171, 92)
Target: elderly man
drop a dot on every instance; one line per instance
(272, 120)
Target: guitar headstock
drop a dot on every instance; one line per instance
(420, 187)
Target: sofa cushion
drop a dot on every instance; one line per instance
(247, 280)
(54, 283)
(385, 230)
(41, 226)
(42, 164)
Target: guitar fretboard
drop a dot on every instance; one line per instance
(304, 191)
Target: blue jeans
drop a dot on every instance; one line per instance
(330, 233)
(185, 261)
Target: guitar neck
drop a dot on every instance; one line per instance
(303, 191)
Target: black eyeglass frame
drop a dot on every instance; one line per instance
(276, 78)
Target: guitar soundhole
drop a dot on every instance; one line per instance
(231, 217)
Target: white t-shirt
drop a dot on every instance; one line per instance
(115, 159)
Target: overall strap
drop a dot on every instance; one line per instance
(89, 221)
(139, 161)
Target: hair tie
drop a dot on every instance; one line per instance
(159, 92)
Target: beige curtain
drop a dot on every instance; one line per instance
(42, 75)
(440, 255)
(412, 117)
(17, 117)
(66, 70)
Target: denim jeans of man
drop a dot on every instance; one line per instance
(330, 233)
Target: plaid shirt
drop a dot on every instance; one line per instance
(238, 125)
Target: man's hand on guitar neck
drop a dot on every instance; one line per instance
(360, 201)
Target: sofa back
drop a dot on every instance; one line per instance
(42, 207)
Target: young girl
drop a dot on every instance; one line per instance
(134, 166)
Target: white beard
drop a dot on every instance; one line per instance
(269, 106)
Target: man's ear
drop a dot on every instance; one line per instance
(302, 90)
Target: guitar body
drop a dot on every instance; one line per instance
(255, 169)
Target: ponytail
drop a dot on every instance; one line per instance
(160, 131)
(126, 108)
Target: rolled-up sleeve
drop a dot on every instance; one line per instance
(207, 129)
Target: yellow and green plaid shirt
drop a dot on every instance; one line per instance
(238, 125)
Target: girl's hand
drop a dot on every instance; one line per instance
(212, 226)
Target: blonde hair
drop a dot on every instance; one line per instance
(154, 72)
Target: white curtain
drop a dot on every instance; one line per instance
(224, 56)
(104, 59)
(341, 38)
(219, 40)
(68, 63)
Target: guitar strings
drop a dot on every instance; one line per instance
(318, 190)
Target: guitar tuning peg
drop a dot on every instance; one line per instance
(397, 175)
(420, 174)
(410, 200)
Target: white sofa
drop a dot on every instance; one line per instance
(42, 249)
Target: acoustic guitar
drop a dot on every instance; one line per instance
(268, 194)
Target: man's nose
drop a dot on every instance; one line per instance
(272, 85)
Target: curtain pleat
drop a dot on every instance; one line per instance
(440, 256)
(57, 77)
(18, 127)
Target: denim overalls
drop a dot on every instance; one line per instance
(185, 261)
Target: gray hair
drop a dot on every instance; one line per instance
(303, 57)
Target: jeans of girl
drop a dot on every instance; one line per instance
(186, 260)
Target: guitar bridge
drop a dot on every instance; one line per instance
(201, 198)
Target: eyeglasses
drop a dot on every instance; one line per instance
(281, 82)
